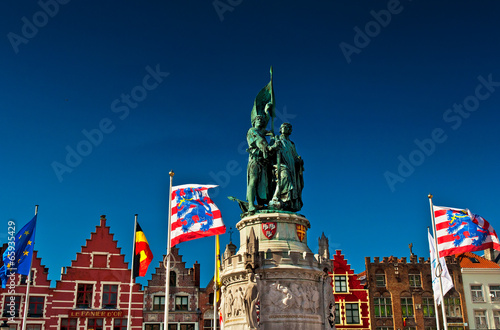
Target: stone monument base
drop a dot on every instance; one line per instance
(293, 285)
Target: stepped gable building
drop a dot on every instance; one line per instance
(351, 298)
(186, 312)
(482, 290)
(401, 292)
(13, 297)
(93, 293)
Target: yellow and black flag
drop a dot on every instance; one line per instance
(142, 253)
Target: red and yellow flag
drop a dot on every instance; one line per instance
(142, 253)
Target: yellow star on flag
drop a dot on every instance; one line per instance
(26, 253)
(26, 233)
(29, 243)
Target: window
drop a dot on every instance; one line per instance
(68, 324)
(120, 324)
(477, 293)
(352, 313)
(495, 293)
(407, 307)
(211, 298)
(414, 280)
(383, 307)
(432, 328)
(95, 324)
(36, 307)
(480, 318)
(33, 327)
(340, 283)
(159, 303)
(208, 324)
(181, 303)
(84, 295)
(428, 307)
(453, 308)
(455, 328)
(187, 326)
(172, 326)
(385, 328)
(24, 278)
(152, 326)
(173, 278)
(496, 319)
(11, 306)
(109, 296)
(337, 313)
(380, 280)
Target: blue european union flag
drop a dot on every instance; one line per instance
(17, 257)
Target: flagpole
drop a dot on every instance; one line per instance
(435, 302)
(27, 302)
(445, 321)
(167, 267)
(215, 284)
(129, 317)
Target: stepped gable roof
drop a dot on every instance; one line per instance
(100, 236)
(471, 260)
(100, 258)
(340, 266)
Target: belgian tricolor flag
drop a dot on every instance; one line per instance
(142, 253)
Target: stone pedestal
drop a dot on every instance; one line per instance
(294, 289)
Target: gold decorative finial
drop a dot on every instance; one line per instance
(430, 196)
(171, 173)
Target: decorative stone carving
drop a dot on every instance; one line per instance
(252, 253)
(328, 302)
(250, 302)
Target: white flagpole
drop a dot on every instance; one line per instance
(215, 285)
(167, 267)
(435, 302)
(27, 299)
(445, 321)
(129, 318)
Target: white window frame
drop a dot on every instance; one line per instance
(494, 293)
(481, 316)
(476, 294)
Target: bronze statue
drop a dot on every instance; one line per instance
(289, 168)
(258, 164)
(274, 171)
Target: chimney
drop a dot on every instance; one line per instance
(196, 274)
(103, 220)
(491, 254)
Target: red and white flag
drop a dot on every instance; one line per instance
(460, 231)
(194, 214)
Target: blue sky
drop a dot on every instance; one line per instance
(389, 101)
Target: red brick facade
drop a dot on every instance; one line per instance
(351, 298)
(188, 303)
(399, 290)
(93, 293)
(40, 296)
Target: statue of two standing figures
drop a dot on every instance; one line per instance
(274, 172)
